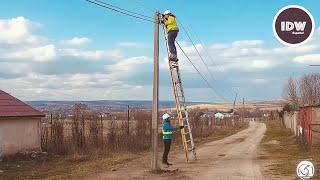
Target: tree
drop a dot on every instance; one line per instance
(309, 85)
(290, 92)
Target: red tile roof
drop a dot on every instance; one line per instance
(13, 107)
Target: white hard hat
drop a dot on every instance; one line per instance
(167, 12)
(165, 116)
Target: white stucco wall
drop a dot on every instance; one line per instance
(19, 134)
(291, 120)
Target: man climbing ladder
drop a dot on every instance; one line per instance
(172, 29)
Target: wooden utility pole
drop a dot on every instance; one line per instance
(155, 100)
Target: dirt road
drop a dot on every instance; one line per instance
(229, 158)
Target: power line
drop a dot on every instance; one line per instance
(138, 14)
(194, 46)
(148, 18)
(202, 76)
(210, 57)
(121, 10)
(151, 9)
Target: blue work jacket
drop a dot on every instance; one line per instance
(167, 130)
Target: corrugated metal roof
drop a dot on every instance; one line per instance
(13, 107)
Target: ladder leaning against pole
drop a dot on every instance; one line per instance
(181, 108)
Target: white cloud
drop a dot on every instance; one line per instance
(131, 44)
(131, 63)
(18, 30)
(77, 41)
(260, 64)
(219, 46)
(97, 54)
(308, 59)
(259, 81)
(41, 53)
(247, 43)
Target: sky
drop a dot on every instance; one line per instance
(74, 50)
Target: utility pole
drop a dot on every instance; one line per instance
(155, 100)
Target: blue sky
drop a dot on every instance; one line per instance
(70, 50)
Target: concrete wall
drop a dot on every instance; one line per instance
(19, 134)
(290, 120)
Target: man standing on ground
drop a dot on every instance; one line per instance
(167, 130)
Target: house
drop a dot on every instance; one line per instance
(219, 116)
(19, 126)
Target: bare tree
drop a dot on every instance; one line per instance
(290, 92)
(309, 85)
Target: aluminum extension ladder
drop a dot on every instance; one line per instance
(181, 108)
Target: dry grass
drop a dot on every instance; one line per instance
(63, 167)
(73, 166)
(285, 156)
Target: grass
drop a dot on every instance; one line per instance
(62, 167)
(285, 156)
(222, 133)
(67, 167)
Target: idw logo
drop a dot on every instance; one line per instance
(296, 26)
(293, 25)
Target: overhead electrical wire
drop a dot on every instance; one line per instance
(151, 9)
(121, 10)
(201, 75)
(195, 47)
(150, 19)
(210, 57)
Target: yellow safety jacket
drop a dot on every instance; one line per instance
(170, 23)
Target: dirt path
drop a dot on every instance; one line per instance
(233, 157)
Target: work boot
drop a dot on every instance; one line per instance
(165, 164)
(173, 57)
(169, 164)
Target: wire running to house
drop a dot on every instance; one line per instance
(121, 10)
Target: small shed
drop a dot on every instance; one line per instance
(19, 126)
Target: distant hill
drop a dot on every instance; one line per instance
(108, 106)
(103, 105)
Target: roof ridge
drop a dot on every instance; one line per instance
(18, 108)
